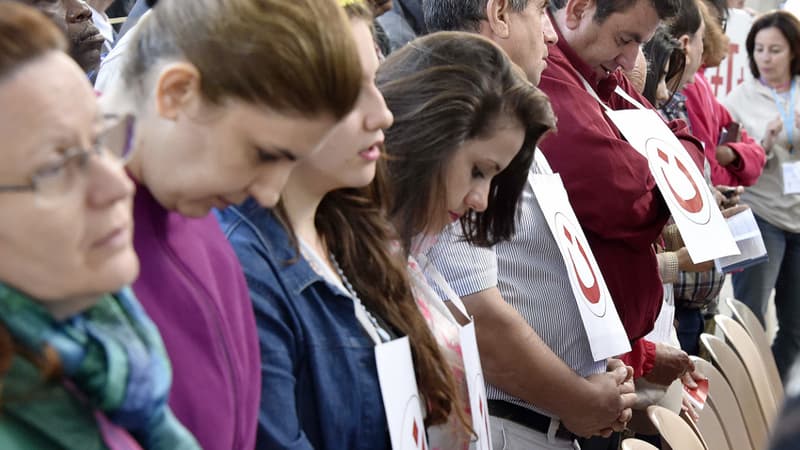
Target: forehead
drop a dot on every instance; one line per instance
(52, 99)
(770, 35)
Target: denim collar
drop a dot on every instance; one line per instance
(294, 271)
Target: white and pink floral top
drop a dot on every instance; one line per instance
(445, 329)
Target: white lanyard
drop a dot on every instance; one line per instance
(430, 270)
(619, 91)
(327, 274)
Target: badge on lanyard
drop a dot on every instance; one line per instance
(683, 187)
(603, 326)
(401, 400)
(791, 178)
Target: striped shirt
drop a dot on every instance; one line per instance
(531, 276)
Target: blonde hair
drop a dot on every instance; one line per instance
(290, 55)
(715, 42)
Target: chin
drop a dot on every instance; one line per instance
(120, 271)
(192, 209)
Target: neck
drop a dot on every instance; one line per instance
(780, 85)
(64, 309)
(300, 201)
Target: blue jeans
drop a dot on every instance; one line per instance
(782, 272)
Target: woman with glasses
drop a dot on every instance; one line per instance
(767, 107)
(229, 96)
(81, 365)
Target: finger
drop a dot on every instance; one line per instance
(614, 364)
(626, 388)
(620, 374)
(628, 400)
(688, 381)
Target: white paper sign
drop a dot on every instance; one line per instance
(476, 387)
(791, 178)
(604, 329)
(751, 245)
(400, 395)
(665, 322)
(689, 199)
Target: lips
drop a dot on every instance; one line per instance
(89, 36)
(454, 216)
(117, 237)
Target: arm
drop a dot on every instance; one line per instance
(278, 424)
(515, 359)
(749, 157)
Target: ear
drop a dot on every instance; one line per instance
(576, 11)
(684, 40)
(177, 87)
(497, 16)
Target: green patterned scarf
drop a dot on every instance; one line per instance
(112, 354)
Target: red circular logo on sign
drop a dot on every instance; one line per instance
(686, 190)
(413, 431)
(582, 270)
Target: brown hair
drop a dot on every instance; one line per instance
(356, 229)
(444, 89)
(25, 35)
(290, 55)
(789, 27)
(715, 42)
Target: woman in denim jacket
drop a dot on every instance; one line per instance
(327, 288)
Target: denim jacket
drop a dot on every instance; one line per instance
(319, 380)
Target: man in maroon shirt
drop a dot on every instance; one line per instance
(608, 181)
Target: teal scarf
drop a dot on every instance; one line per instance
(113, 355)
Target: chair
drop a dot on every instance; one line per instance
(677, 433)
(745, 316)
(636, 444)
(722, 402)
(710, 429)
(744, 346)
(735, 373)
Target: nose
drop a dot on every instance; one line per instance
(478, 198)
(627, 59)
(550, 36)
(107, 182)
(377, 115)
(77, 11)
(266, 189)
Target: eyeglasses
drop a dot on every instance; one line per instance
(113, 142)
(723, 22)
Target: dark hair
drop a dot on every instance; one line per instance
(687, 21)
(355, 227)
(664, 8)
(445, 89)
(460, 15)
(789, 27)
(659, 50)
(289, 55)
(25, 34)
